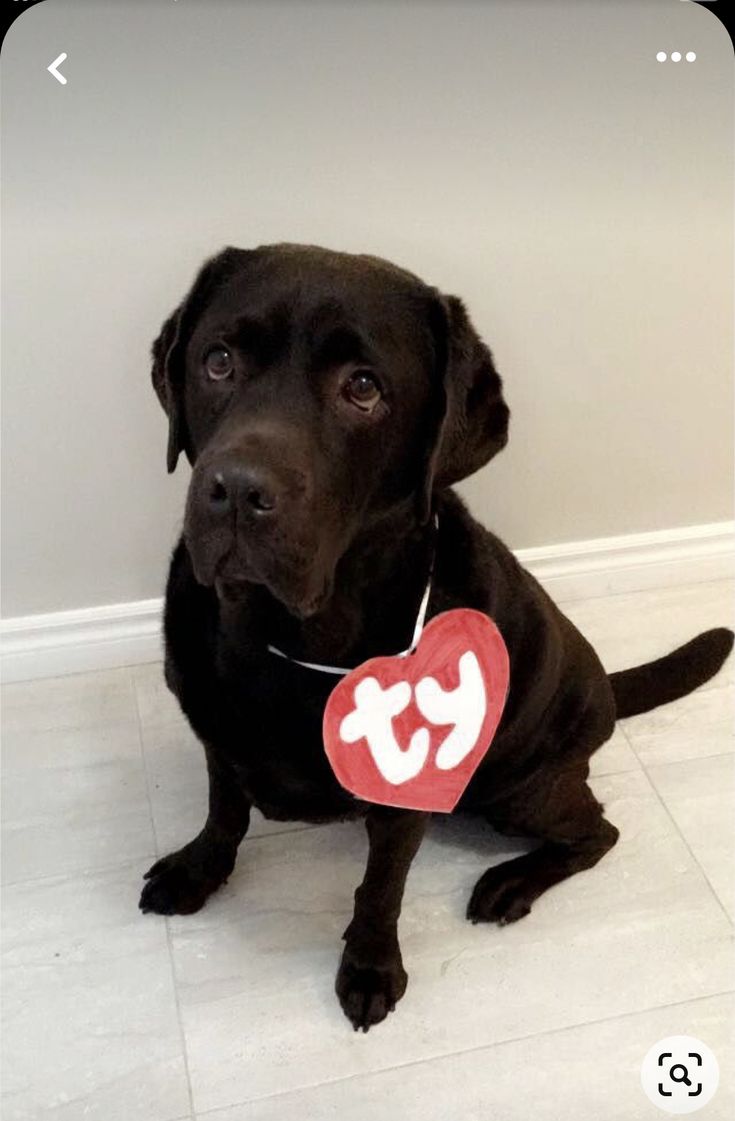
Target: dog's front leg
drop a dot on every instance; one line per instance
(371, 977)
(181, 882)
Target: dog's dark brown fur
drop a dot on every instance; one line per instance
(309, 526)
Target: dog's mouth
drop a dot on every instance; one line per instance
(302, 589)
(302, 606)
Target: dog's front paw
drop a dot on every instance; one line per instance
(181, 883)
(367, 992)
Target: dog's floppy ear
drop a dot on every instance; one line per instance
(474, 425)
(168, 351)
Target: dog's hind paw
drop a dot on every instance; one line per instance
(499, 898)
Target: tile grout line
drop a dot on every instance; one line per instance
(221, 1109)
(689, 849)
(169, 944)
(671, 762)
(78, 874)
(689, 759)
(672, 819)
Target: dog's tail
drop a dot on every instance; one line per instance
(655, 683)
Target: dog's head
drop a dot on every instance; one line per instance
(316, 393)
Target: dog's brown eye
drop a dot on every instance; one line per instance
(362, 390)
(219, 364)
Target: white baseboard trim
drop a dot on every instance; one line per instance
(634, 562)
(91, 638)
(124, 634)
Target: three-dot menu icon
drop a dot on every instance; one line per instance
(676, 56)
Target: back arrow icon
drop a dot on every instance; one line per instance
(52, 69)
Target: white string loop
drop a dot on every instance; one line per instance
(417, 631)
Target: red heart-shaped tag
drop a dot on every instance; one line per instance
(411, 730)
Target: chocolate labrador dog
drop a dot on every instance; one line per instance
(327, 402)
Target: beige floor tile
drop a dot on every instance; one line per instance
(695, 726)
(75, 819)
(77, 701)
(614, 756)
(89, 1010)
(699, 795)
(571, 1075)
(626, 630)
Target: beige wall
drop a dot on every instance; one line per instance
(532, 157)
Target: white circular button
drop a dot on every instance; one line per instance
(690, 56)
(676, 56)
(661, 56)
(680, 1074)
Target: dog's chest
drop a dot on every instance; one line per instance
(274, 739)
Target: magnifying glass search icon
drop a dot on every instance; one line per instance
(684, 1077)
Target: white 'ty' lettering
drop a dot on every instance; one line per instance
(372, 718)
(465, 707)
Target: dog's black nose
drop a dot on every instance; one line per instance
(243, 488)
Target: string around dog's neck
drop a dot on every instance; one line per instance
(341, 671)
